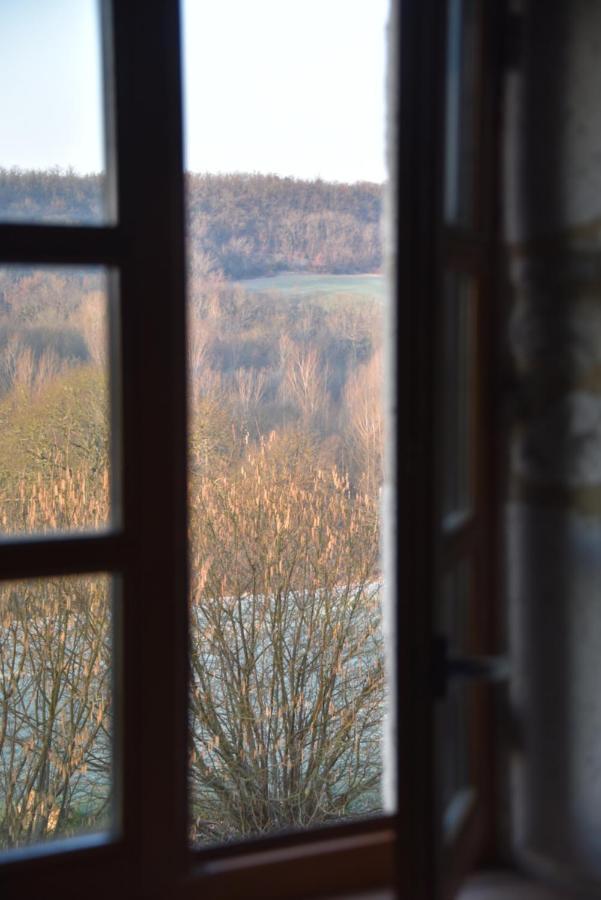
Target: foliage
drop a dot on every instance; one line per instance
(56, 435)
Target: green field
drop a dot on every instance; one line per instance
(298, 284)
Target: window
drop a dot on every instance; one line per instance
(287, 304)
(143, 551)
(142, 545)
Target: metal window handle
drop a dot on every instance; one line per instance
(450, 667)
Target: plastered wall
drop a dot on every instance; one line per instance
(552, 512)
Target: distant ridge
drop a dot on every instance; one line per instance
(240, 225)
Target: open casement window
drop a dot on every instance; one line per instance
(438, 531)
(446, 262)
(464, 595)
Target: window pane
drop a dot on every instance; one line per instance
(52, 166)
(463, 48)
(453, 721)
(458, 394)
(286, 297)
(55, 699)
(54, 400)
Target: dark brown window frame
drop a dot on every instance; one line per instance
(148, 549)
(473, 251)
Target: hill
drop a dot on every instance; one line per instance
(239, 226)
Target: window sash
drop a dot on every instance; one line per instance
(148, 549)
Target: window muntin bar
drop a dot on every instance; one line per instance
(453, 738)
(463, 47)
(458, 385)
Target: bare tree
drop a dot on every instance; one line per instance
(287, 691)
(365, 422)
(304, 379)
(9, 361)
(92, 321)
(55, 663)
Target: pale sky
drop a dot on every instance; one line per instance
(294, 87)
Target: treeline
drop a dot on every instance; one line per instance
(51, 196)
(250, 225)
(239, 226)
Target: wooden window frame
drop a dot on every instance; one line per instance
(148, 550)
(473, 250)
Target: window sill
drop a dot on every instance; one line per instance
(321, 869)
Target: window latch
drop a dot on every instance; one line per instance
(448, 667)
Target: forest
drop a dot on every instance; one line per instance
(285, 460)
(239, 225)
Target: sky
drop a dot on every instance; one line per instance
(293, 87)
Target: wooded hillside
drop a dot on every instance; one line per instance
(240, 226)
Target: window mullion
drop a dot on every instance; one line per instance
(150, 201)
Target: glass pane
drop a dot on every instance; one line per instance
(54, 400)
(286, 296)
(52, 164)
(55, 701)
(463, 48)
(453, 721)
(458, 394)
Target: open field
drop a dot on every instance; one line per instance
(300, 283)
